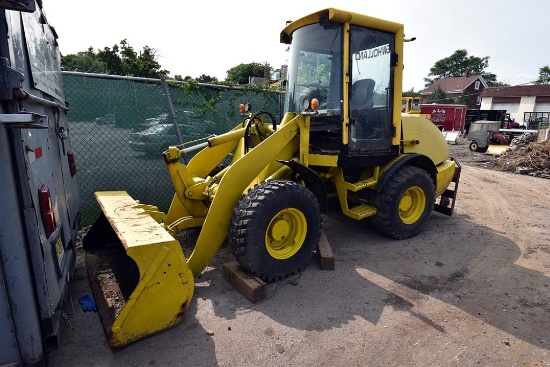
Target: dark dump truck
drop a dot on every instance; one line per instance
(39, 201)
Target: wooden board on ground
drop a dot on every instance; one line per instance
(324, 253)
(252, 287)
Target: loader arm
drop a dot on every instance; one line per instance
(231, 187)
(189, 181)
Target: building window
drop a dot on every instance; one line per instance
(476, 87)
(478, 102)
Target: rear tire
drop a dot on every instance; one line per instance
(473, 146)
(405, 203)
(274, 229)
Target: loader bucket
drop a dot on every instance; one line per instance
(137, 271)
(496, 149)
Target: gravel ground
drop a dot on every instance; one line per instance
(470, 290)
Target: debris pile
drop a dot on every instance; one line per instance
(523, 140)
(525, 156)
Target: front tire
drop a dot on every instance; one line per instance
(274, 229)
(405, 203)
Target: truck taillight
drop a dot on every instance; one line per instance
(48, 215)
(72, 163)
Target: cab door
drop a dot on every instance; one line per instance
(371, 94)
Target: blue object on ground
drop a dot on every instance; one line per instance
(88, 304)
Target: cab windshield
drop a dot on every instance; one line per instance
(315, 70)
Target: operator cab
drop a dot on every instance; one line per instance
(410, 105)
(365, 99)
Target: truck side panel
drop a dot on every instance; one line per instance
(38, 231)
(448, 117)
(20, 335)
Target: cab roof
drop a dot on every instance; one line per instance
(340, 16)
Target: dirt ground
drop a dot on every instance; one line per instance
(471, 290)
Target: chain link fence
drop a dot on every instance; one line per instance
(537, 120)
(119, 127)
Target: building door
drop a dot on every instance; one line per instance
(511, 108)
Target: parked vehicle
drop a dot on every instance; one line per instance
(410, 105)
(349, 142)
(506, 121)
(473, 115)
(449, 118)
(510, 123)
(483, 134)
(154, 139)
(155, 134)
(537, 120)
(152, 121)
(39, 197)
(106, 119)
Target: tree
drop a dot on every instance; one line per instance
(85, 61)
(207, 79)
(499, 84)
(460, 64)
(111, 60)
(439, 96)
(411, 93)
(145, 64)
(465, 99)
(119, 60)
(241, 73)
(544, 75)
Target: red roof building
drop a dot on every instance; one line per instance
(473, 85)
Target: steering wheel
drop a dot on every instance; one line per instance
(255, 116)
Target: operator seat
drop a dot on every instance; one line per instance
(361, 104)
(362, 92)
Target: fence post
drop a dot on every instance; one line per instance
(171, 108)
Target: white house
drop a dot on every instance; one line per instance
(521, 102)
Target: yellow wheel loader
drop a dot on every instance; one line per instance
(342, 137)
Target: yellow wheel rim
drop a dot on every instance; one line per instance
(286, 233)
(412, 205)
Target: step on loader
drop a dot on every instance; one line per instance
(342, 136)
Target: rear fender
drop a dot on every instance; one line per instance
(445, 174)
(417, 160)
(442, 175)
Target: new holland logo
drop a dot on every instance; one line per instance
(373, 52)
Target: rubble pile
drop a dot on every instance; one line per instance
(526, 156)
(523, 140)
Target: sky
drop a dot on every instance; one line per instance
(195, 37)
